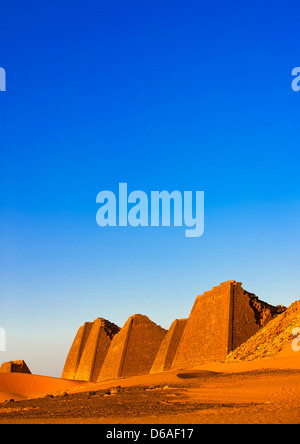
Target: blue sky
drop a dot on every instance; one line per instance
(170, 95)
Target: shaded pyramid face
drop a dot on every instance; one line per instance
(280, 335)
(89, 350)
(221, 320)
(169, 346)
(133, 350)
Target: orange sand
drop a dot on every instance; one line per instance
(20, 386)
(278, 403)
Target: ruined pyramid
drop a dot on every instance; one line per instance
(221, 320)
(133, 349)
(15, 367)
(89, 350)
(169, 346)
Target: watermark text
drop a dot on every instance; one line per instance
(296, 342)
(296, 80)
(161, 208)
(2, 340)
(2, 79)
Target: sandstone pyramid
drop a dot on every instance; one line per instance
(271, 339)
(221, 320)
(89, 350)
(169, 346)
(14, 367)
(133, 349)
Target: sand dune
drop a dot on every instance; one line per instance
(22, 386)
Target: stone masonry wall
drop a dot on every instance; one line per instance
(221, 320)
(73, 359)
(244, 322)
(133, 349)
(115, 355)
(207, 335)
(169, 347)
(249, 314)
(95, 350)
(89, 350)
(143, 345)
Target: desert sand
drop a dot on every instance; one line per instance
(259, 391)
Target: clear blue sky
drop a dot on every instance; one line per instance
(163, 95)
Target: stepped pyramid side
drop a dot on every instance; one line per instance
(95, 350)
(133, 349)
(169, 347)
(89, 350)
(221, 320)
(113, 361)
(73, 359)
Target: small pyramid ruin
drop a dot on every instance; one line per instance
(15, 367)
(167, 351)
(133, 349)
(89, 349)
